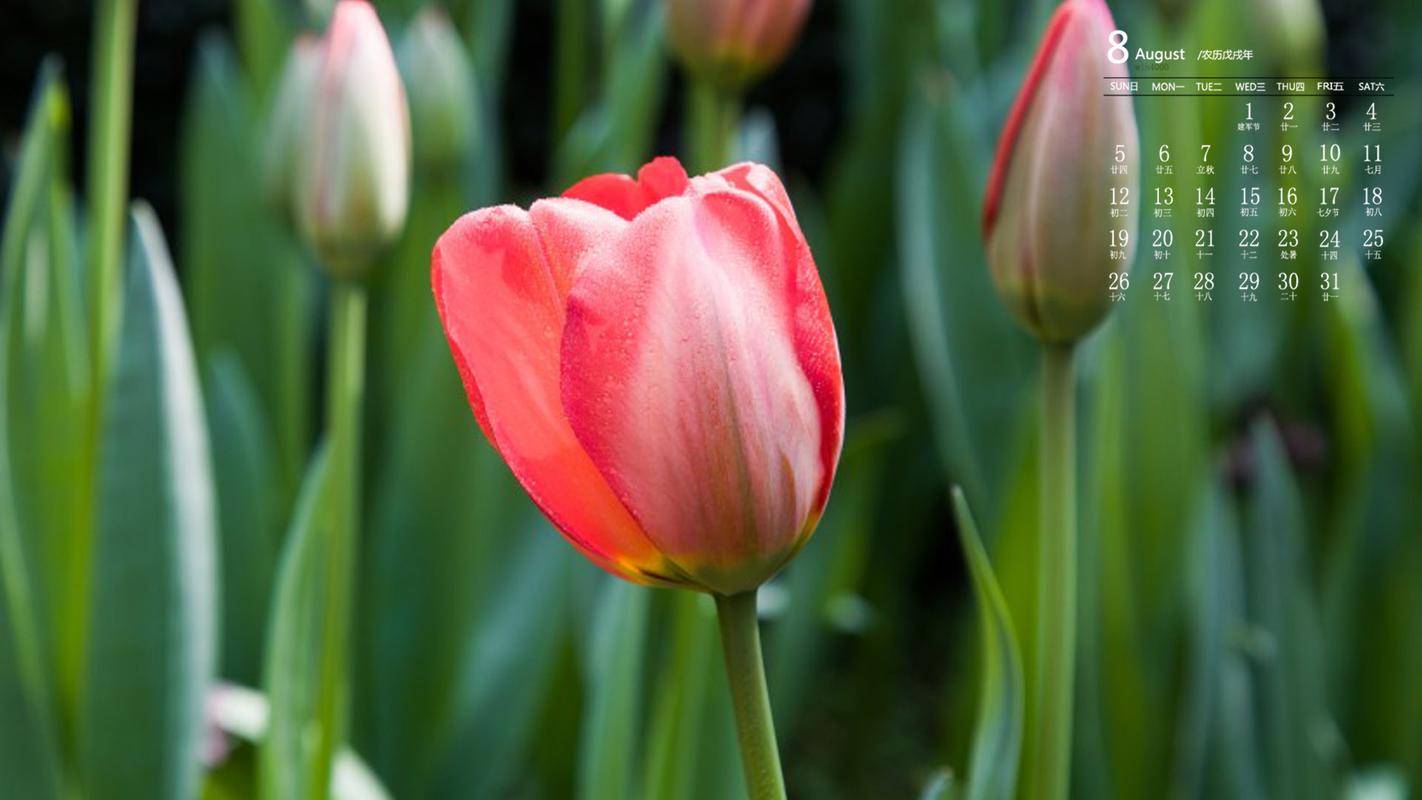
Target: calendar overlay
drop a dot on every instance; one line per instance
(1285, 188)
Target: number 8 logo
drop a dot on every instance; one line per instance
(1117, 52)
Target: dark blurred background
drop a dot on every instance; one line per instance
(805, 95)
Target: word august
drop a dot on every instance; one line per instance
(1159, 56)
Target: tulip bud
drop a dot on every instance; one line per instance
(354, 182)
(286, 128)
(1290, 34)
(655, 360)
(730, 42)
(1048, 221)
(441, 79)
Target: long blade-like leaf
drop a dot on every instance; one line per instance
(611, 729)
(153, 624)
(293, 660)
(511, 664)
(29, 740)
(249, 518)
(951, 309)
(1292, 698)
(997, 739)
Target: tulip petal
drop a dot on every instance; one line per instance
(814, 329)
(500, 278)
(663, 177)
(1017, 117)
(567, 229)
(697, 372)
(762, 181)
(627, 197)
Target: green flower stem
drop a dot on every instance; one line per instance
(1049, 772)
(713, 114)
(740, 642)
(112, 80)
(345, 393)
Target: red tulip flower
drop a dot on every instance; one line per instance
(655, 360)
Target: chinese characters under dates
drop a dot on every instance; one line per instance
(1286, 196)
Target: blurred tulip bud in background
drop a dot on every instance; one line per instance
(1052, 237)
(440, 77)
(286, 127)
(1290, 34)
(353, 182)
(730, 42)
(655, 360)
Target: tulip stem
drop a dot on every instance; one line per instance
(713, 113)
(108, 173)
(740, 643)
(112, 105)
(345, 392)
(1049, 769)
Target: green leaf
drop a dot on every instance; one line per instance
(719, 775)
(611, 734)
(884, 48)
(951, 306)
(440, 503)
(249, 520)
(1215, 731)
(1280, 603)
(1143, 485)
(1013, 550)
(153, 611)
(293, 658)
(248, 287)
(263, 34)
(677, 719)
(48, 382)
(29, 748)
(997, 738)
(29, 745)
(443, 508)
(40, 146)
(511, 662)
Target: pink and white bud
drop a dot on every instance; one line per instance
(286, 127)
(353, 187)
(734, 41)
